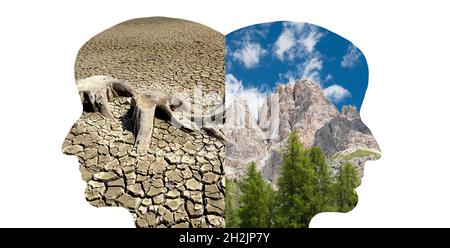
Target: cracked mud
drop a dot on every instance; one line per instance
(178, 180)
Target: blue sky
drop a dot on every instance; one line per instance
(260, 56)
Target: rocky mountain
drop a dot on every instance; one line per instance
(246, 141)
(300, 107)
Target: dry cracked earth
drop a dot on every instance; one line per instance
(178, 181)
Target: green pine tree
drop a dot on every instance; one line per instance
(323, 193)
(305, 188)
(255, 200)
(347, 181)
(295, 187)
(231, 203)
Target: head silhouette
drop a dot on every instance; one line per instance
(133, 150)
(293, 95)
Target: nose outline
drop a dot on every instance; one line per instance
(379, 154)
(65, 146)
(69, 134)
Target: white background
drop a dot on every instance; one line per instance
(406, 105)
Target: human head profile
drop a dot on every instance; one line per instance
(293, 93)
(131, 78)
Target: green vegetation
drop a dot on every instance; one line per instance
(356, 154)
(231, 203)
(347, 181)
(255, 199)
(304, 189)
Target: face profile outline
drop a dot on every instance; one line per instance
(145, 142)
(135, 151)
(284, 78)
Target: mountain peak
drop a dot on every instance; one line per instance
(301, 107)
(238, 114)
(350, 112)
(246, 142)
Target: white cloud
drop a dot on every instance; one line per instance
(296, 40)
(295, 26)
(250, 33)
(336, 93)
(284, 43)
(310, 41)
(351, 58)
(234, 89)
(311, 69)
(249, 54)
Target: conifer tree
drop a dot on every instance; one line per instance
(255, 200)
(295, 187)
(305, 188)
(347, 181)
(231, 203)
(323, 194)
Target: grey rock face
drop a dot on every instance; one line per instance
(350, 112)
(245, 140)
(272, 164)
(341, 134)
(303, 108)
(347, 139)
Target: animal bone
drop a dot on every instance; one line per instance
(97, 91)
